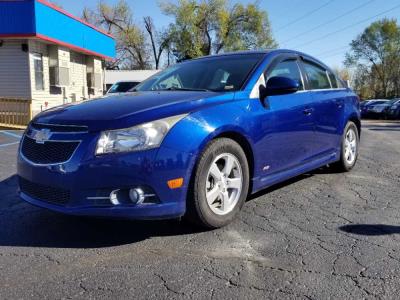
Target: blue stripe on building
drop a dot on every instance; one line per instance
(36, 18)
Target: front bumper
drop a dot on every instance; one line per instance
(150, 211)
(86, 178)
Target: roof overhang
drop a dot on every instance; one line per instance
(42, 20)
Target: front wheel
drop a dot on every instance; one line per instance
(220, 184)
(349, 148)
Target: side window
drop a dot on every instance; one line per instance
(287, 68)
(333, 79)
(341, 84)
(317, 77)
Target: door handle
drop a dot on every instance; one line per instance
(308, 111)
(339, 103)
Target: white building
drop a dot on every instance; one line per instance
(47, 58)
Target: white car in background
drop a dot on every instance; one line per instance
(122, 87)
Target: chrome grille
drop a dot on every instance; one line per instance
(49, 152)
(59, 128)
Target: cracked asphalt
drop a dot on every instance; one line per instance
(321, 235)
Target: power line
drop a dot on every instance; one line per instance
(330, 21)
(333, 54)
(305, 15)
(347, 27)
(333, 50)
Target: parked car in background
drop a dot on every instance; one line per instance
(366, 102)
(393, 112)
(122, 87)
(363, 104)
(194, 140)
(375, 108)
(113, 76)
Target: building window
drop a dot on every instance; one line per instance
(38, 66)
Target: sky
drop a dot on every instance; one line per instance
(322, 28)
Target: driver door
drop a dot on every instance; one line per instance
(291, 139)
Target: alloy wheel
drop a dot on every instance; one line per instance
(350, 146)
(224, 184)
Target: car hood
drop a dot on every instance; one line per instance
(130, 109)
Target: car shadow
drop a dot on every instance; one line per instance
(24, 225)
(370, 229)
(386, 127)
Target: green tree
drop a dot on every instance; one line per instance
(375, 54)
(204, 27)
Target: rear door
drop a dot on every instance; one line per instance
(328, 103)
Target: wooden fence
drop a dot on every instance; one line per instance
(15, 113)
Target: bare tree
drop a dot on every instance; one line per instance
(159, 42)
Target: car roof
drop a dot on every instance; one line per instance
(255, 52)
(264, 52)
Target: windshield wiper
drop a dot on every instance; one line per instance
(185, 89)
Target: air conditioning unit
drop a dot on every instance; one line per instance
(59, 76)
(59, 66)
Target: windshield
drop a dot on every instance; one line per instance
(378, 102)
(122, 87)
(219, 74)
(387, 103)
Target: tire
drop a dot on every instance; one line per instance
(218, 213)
(345, 164)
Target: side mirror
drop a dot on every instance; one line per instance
(279, 86)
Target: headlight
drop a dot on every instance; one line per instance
(141, 137)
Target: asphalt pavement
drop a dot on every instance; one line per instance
(320, 235)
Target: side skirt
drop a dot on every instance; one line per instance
(261, 183)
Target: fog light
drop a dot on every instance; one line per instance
(114, 197)
(137, 195)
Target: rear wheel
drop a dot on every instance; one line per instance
(349, 148)
(220, 184)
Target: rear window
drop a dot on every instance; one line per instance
(377, 102)
(317, 76)
(333, 79)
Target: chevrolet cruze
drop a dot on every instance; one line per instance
(194, 140)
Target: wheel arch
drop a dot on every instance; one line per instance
(244, 144)
(356, 120)
(239, 138)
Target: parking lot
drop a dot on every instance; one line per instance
(320, 235)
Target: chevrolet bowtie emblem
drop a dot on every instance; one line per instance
(41, 136)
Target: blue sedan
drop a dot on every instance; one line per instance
(194, 140)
